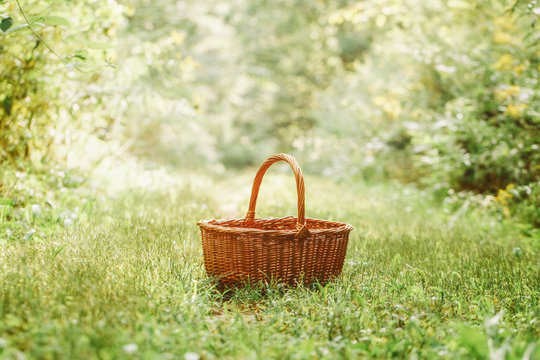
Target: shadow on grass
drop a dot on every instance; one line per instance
(272, 288)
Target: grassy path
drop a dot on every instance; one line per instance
(127, 280)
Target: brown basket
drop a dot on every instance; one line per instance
(289, 250)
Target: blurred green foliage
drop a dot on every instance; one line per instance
(46, 53)
(443, 94)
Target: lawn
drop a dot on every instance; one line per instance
(114, 269)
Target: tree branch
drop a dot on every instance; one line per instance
(36, 34)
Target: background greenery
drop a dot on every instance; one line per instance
(107, 102)
(441, 94)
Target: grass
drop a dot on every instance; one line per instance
(126, 280)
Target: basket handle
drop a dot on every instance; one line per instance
(301, 221)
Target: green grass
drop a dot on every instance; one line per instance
(127, 279)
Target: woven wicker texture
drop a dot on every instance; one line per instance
(288, 250)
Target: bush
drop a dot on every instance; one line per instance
(47, 51)
(447, 96)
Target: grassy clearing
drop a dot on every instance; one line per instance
(127, 279)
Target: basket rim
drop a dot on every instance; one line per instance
(207, 225)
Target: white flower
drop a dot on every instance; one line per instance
(131, 348)
(191, 356)
(36, 209)
(494, 321)
(29, 234)
(68, 222)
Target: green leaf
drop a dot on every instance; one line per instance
(98, 45)
(51, 20)
(6, 201)
(81, 54)
(7, 104)
(17, 27)
(58, 250)
(474, 340)
(6, 24)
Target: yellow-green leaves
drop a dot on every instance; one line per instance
(49, 20)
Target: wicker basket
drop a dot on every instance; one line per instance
(288, 250)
